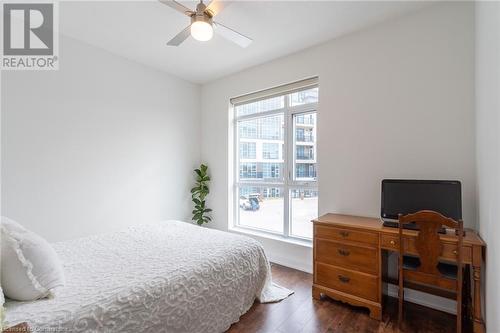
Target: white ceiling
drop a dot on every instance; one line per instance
(139, 30)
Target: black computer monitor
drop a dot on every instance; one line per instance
(403, 196)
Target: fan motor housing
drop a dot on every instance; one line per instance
(203, 17)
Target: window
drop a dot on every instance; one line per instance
(270, 151)
(248, 171)
(308, 96)
(275, 189)
(305, 152)
(271, 128)
(248, 150)
(305, 146)
(260, 106)
(248, 129)
(271, 170)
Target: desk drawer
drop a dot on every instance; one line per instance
(450, 253)
(360, 258)
(389, 242)
(353, 283)
(449, 250)
(345, 234)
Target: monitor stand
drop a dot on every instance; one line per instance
(409, 226)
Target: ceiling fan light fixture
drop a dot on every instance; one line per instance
(202, 31)
(203, 27)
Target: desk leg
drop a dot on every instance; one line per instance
(316, 294)
(477, 259)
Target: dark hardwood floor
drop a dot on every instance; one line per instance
(300, 313)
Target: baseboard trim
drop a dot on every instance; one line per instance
(295, 264)
(424, 299)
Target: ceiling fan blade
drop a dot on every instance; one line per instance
(181, 36)
(215, 6)
(232, 35)
(178, 7)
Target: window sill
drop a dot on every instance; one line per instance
(262, 234)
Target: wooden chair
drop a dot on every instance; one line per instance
(427, 269)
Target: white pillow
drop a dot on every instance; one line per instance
(30, 268)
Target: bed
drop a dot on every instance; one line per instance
(166, 277)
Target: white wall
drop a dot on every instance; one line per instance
(98, 145)
(396, 101)
(488, 148)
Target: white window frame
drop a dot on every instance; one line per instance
(288, 182)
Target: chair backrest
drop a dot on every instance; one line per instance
(427, 243)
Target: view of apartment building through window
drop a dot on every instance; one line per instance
(276, 173)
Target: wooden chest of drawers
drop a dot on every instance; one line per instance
(347, 266)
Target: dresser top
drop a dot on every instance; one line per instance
(350, 221)
(375, 224)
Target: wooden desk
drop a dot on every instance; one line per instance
(348, 260)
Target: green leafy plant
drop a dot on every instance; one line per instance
(198, 194)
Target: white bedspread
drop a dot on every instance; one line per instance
(166, 277)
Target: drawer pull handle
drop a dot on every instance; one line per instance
(393, 242)
(455, 252)
(344, 234)
(343, 252)
(344, 279)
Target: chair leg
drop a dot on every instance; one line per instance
(401, 294)
(459, 311)
(400, 307)
(466, 296)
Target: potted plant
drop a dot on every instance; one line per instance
(198, 194)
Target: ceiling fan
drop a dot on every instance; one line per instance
(202, 24)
